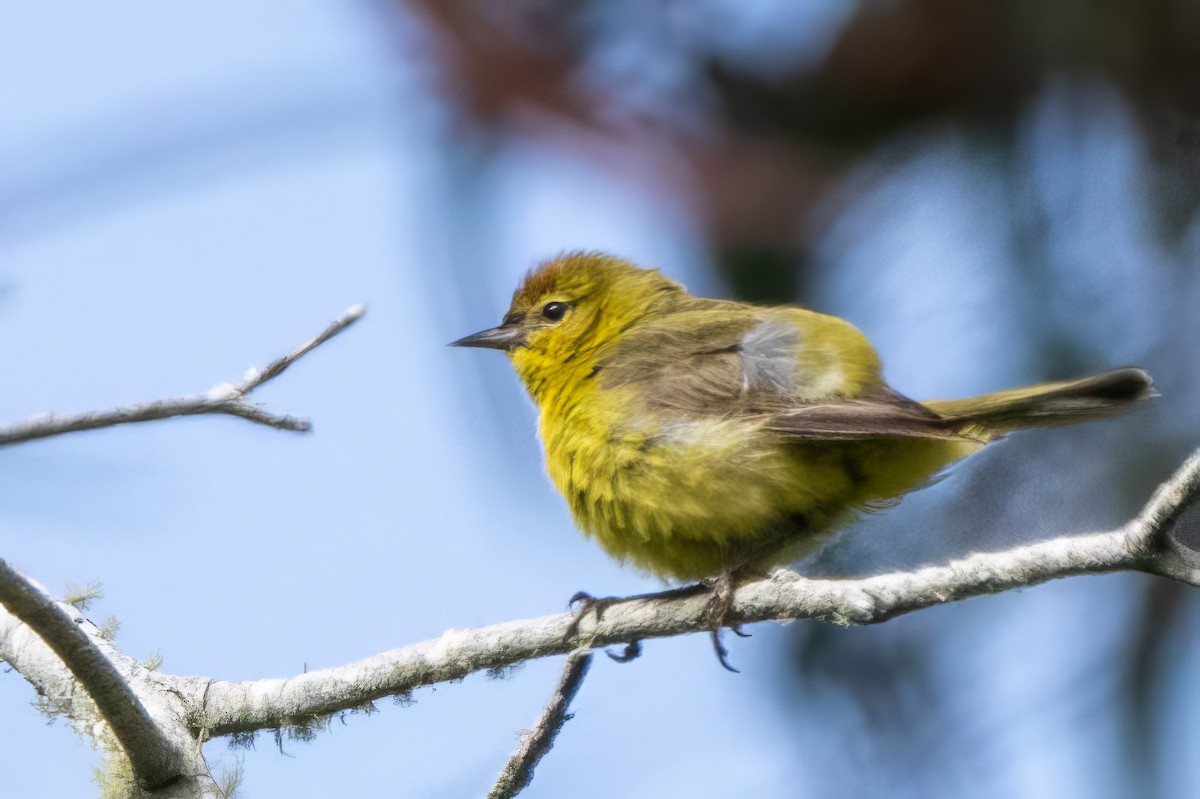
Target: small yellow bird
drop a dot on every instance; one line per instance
(699, 438)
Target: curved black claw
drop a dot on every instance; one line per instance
(632, 651)
(719, 613)
(722, 652)
(579, 596)
(583, 603)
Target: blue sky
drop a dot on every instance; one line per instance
(192, 189)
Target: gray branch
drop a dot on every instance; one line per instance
(155, 758)
(519, 770)
(227, 398)
(105, 693)
(100, 689)
(161, 720)
(1163, 539)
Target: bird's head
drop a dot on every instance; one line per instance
(574, 305)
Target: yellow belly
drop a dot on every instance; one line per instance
(692, 498)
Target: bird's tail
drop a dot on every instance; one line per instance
(1067, 402)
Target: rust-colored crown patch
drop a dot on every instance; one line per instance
(539, 281)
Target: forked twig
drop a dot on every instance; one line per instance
(226, 398)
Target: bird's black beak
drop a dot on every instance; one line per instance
(505, 337)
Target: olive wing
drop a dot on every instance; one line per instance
(685, 364)
(806, 375)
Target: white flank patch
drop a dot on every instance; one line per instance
(768, 357)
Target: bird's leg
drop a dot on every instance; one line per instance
(583, 603)
(719, 611)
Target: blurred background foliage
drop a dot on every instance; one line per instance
(1030, 169)
(997, 192)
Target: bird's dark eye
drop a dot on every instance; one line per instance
(555, 311)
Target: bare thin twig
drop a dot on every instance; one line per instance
(60, 652)
(519, 770)
(155, 758)
(277, 367)
(227, 398)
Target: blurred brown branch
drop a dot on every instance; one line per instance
(756, 143)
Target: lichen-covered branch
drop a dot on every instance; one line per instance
(1159, 540)
(103, 692)
(154, 757)
(519, 770)
(229, 399)
(78, 673)
(1163, 539)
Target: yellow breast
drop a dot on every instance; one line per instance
(677, 498)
